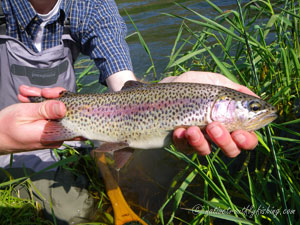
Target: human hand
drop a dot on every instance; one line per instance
(231, 144)
(22, 125)
(26, 91)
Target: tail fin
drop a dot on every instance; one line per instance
(55, 131)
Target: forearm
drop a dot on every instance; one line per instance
(102, 37)
(116, 81)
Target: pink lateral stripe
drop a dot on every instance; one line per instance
(111, 111)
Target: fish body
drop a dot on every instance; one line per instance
(144, 116)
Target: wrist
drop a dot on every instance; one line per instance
(7, 121)
(5, 147)
(116, 81)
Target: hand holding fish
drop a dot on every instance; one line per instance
(22, 125)
(231, 144)
(184, 137)
(26, 91)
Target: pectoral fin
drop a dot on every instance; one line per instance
(121, 152)
(122, 156)
(111, 146)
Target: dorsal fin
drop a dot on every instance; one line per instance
(133, 84)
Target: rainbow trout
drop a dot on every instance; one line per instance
(144, 116)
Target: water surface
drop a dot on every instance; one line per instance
(158, 30)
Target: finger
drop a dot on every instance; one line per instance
(181, 142)
(196, 139)
(52, 110)
(179, 137)
(52, 92)
(245, 140)
(23, 99)
(29, 91)
(25, 91)
(218, 133)
(230, 84)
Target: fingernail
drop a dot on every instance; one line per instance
(216, 131)
(25, 86)
(57, 109)
(240, 138)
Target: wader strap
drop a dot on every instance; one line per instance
(38, 76)
(2, 21)
(67, 23)
(67, 26)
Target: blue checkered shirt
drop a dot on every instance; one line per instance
(95, 25)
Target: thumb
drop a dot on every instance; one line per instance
(51, 109)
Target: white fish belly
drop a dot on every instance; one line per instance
(158, 140)
(150, 140)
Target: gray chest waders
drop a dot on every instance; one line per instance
(20, 65)
(50, 68)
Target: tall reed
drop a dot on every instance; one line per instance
(256, 45)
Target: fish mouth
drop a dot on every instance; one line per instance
(268, 118)
(262, 121)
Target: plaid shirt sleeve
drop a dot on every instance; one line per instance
(102, 36)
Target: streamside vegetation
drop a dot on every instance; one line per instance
(257, 45)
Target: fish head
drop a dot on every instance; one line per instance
(239, 111)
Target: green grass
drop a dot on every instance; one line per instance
(264, 57)
(256, 45)
(15, 210)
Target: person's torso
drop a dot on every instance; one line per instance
(21, 62)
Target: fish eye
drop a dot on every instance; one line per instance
(255, 106)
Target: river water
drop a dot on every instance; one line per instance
(158, 30)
